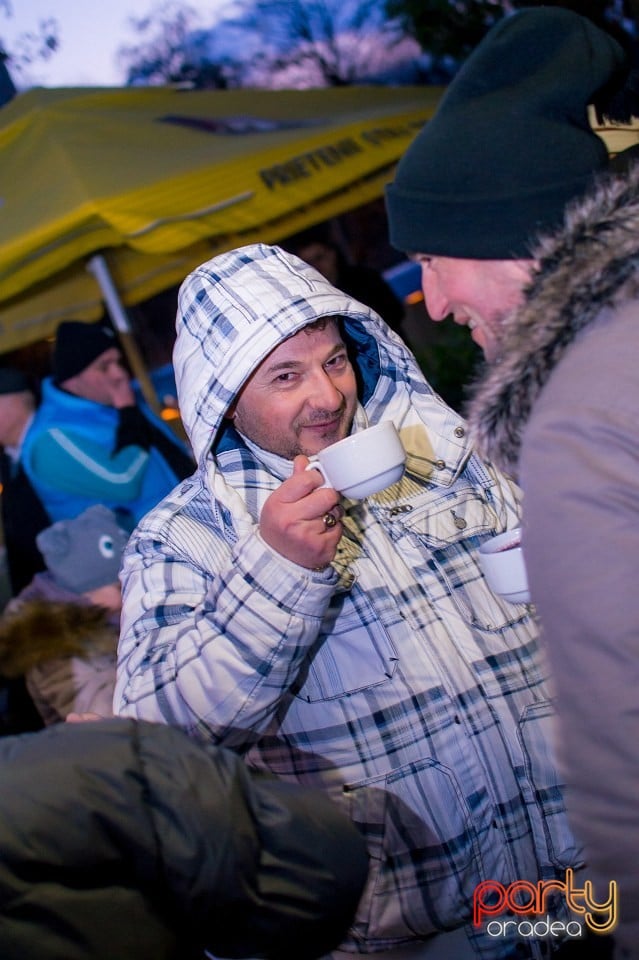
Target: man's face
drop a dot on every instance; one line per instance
(478, 293)
(302, 397)
(98, 382)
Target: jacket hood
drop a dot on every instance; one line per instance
(589, 265)
(36, 631)
(235, 309)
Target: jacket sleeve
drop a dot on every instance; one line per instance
(214, 651)
(173, 847)
(88, 469)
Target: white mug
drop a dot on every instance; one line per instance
(363, 463)
(502, 562)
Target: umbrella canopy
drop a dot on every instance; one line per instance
(157, 180)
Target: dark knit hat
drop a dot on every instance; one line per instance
(84, 552)
(13, 381)
(78, 344)
(510, 143)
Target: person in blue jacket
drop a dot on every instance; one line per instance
(90, 441)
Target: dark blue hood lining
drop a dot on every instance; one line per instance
(363, 351)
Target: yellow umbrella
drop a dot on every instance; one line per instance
(144, 184)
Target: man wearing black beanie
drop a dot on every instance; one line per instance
(506, 199)
(90, 442)
(507, 149)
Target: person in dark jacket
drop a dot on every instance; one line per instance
(506, 199)
(23, 514)
(23, 517)
(125, 840)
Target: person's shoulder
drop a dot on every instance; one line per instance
(184, 518)
(59, 403)
(50, 392)
(599, 363)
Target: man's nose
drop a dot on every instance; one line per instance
(436, 304)
(324, 393)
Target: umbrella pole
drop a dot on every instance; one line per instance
(97, 265)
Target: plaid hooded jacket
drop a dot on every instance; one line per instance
(395, 679)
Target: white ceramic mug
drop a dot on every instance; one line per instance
(363, 463)
(502, 562)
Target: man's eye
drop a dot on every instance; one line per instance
(284, 377)
(337, 362)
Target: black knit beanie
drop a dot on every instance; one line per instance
(78, 344)
(13, 381)
(510, 143)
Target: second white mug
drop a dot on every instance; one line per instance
(502, 562)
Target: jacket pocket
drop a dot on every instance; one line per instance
(443, 536)
(423, 847)
(353, 651)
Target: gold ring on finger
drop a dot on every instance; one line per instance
(329, 521)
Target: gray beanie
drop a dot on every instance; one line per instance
(84, 552)
(510, 143)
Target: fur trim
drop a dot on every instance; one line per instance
(591, 264)
(39, 630)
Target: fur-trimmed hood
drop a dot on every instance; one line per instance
(38, 630)
(591, 264)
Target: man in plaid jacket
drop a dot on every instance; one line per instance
(350, 645)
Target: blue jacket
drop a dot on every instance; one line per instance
(68, 456)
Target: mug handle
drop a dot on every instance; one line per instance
(314, 464)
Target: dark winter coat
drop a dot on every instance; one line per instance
(561, 409)
(23, 517)
(123, 840)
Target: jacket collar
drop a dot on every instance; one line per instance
(592, 263)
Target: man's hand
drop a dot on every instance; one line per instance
(293, 523)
